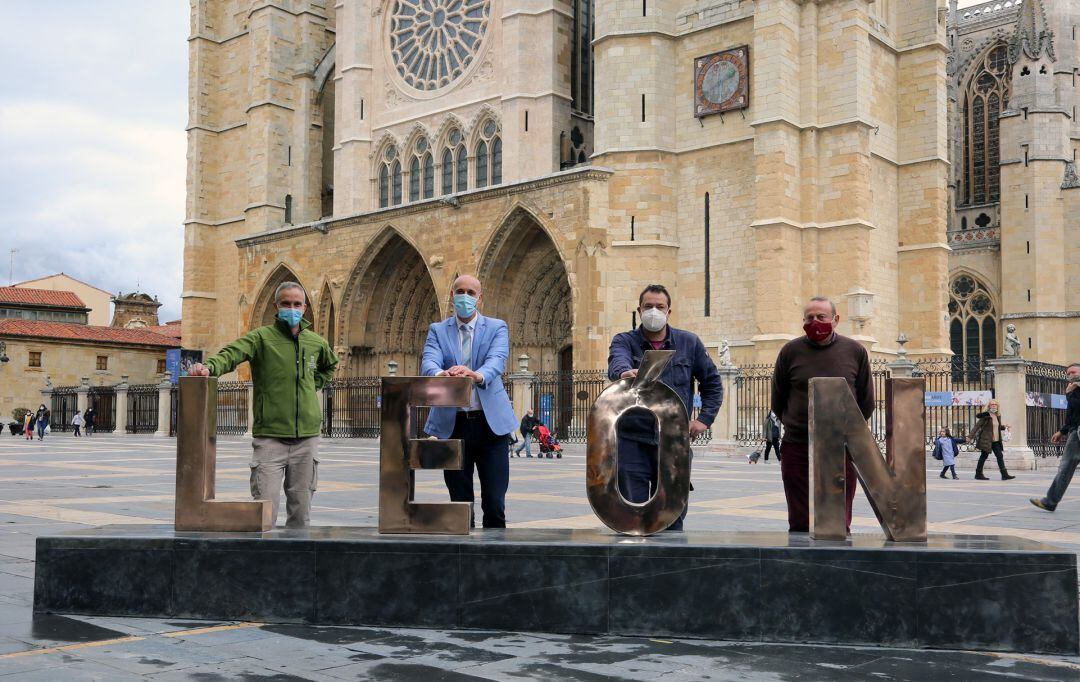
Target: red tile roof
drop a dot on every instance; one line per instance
(45, 297)
(70, 331)
(169, 329)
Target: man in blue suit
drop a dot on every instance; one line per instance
(471, 345)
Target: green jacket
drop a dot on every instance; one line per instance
(286, 373)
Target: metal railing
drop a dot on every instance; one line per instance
(956, 375)
(64, 402)
(1042, 383)
(102, 399)
(232, 408)
(351, 407)
(142, 408)
(562, 400)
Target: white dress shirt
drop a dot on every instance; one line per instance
(467, 361)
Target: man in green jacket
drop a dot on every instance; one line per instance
(289, 364)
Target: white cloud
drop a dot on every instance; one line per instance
(92, 128)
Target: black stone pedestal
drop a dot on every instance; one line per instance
(954, 591)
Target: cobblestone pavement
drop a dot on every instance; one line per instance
(64, 484)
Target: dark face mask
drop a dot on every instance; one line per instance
(818, 331)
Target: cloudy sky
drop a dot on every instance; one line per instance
(92, 130)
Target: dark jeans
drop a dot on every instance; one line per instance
(795, 471)
(490, 455)
(948, 467)
(41, 428)
(637, 473)
(773, 445)
(1069, 460)
(77, 434)
(999, 453)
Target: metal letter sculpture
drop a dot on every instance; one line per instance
(895, 485)
(399, 455)
(196, 462)
(673, 482)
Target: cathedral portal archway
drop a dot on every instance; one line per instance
(265, 309)
(388, 304)
(526, 284)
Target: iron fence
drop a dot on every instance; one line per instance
(351, 407)
(102, 399)
(65, 401)
(142, 416)
(232, 408)
(955, 375)
(1043, 381)
(561, 400)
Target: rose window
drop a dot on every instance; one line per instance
(432, 42)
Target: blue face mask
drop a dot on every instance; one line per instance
(290, 316)
(464, 305)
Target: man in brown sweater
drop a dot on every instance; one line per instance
(820, 353)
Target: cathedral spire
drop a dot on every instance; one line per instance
(1032, 35)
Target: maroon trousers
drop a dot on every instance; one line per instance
(795, 470)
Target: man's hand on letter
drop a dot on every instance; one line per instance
(199, 370)
(629, 374)
(463, 371)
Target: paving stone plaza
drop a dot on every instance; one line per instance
(64, 484)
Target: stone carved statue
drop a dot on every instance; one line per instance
(1012, 343)
(725, 354)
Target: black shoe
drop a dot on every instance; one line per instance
(980, 477)
(1041, 504)
(955, 477)
(943, 475)
(1007, 477)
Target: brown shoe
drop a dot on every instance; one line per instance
(1041, 504)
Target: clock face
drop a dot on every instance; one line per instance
(722, 82)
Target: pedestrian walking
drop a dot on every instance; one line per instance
(771, 434)
(946, 448)
(527, 427)
(29, 421)
(44, 414)
(1070, 433)
(76, 424)
(987, 438)
(89, 421)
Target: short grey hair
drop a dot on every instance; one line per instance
(285, 286)
(825, 299)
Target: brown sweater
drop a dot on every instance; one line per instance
(801, 360)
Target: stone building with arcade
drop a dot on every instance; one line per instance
(747, 154)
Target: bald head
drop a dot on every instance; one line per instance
(467, 295)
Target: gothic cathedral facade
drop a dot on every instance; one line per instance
(748, 154)
(1014, 227)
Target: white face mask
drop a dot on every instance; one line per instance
(653, 319)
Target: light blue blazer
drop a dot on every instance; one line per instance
(491, 347)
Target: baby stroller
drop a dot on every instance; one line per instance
(549, 444)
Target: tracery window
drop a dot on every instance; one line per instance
(455, 164)
(972, 324)
(489, 155)
(432, 42)
(986, 96)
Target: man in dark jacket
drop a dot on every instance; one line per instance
(528, 424)
(820, 353)
(1070, 433)
(289, 364)
(637, 431)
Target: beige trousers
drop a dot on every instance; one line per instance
(293, 460)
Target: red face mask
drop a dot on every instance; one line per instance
(818, 331)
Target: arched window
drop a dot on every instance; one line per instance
(429, 176)
(414, 179)
(455, 164)
(984, 98)
(973, 323)
(389, 178)
(395, 175)
(488, 155)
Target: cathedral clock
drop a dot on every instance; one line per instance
(722, 81)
